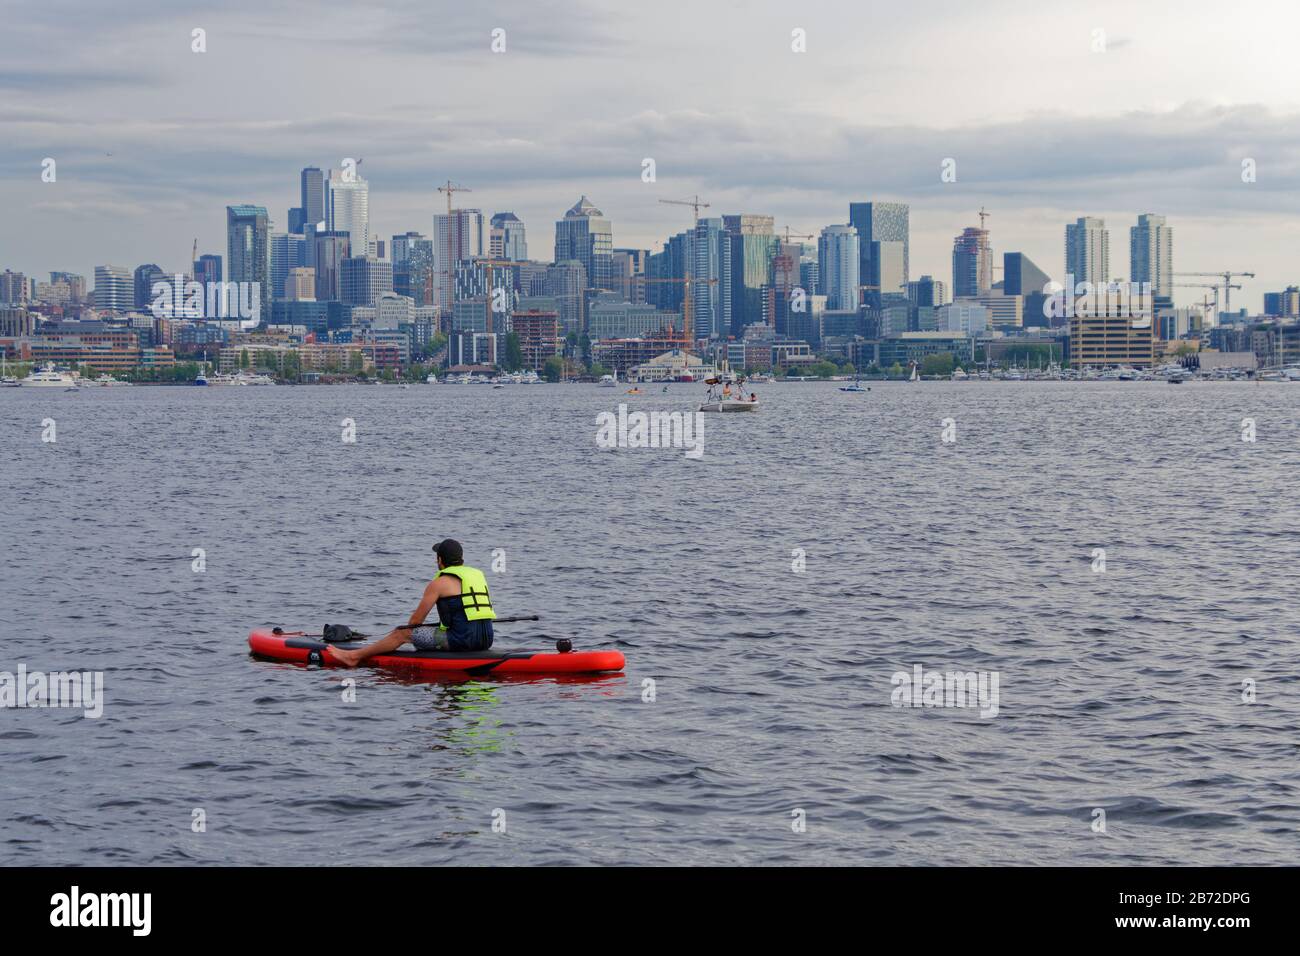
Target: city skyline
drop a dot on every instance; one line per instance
(141, 175)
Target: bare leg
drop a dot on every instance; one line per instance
(389, 642)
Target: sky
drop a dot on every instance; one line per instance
(1049, 110)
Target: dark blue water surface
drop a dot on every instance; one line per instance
(1119, 690)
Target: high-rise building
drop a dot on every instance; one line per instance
(1021, 277)
(927, 291)
(331, 249)
(145, 277)
(312, 201)
(882, 264)
(454, 240)
(349, 208)
(248, 250)
(114, 289)
(207, 268)
(1151, 254)
(627, 271)
(585, 235)
(76, 284)
(565, 282)
(1284, 304)
(1087, 250)
(839, 259)
(300, 285)
(13, 288)
(363, 280)
(753, 244)
(507, 238)
(972, 263)
(288, 252)
(709, 253)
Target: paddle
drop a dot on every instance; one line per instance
(341, 633)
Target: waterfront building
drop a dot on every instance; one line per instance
(539, 335)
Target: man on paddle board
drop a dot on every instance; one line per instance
(465, 615)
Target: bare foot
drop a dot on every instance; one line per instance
(346, 658)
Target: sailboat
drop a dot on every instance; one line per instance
(915, 377)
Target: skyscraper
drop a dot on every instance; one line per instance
(753, 243)
(839, 259)
(145, 277)
(710, 258)
(507, 238)
(885, 267)
(926, 292)
(1151, 254)
(584, 234)
(312, 201)
(248, 250)
(1087, 250)
(972, 263)
(1021, 277)
(207, 268)
(364, 281)
(331, 249)
(349, 208)
(114, 289)
(454, 240)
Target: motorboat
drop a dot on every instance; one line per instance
(49, 377)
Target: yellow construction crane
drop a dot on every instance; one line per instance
(449, 188)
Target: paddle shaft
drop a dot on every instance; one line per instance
(499, 620)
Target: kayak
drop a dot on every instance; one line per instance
(308, 650)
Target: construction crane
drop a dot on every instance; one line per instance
(983, 215)
(1213, 287)
(449, 188)
(795, 235)
(1226, 284)
(695, 202)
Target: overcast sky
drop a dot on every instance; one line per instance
(152, 141)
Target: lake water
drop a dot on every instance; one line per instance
(1120, 690)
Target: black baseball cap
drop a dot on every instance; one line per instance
(450, 551)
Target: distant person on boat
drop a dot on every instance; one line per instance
(753, 397)
(465, 615)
